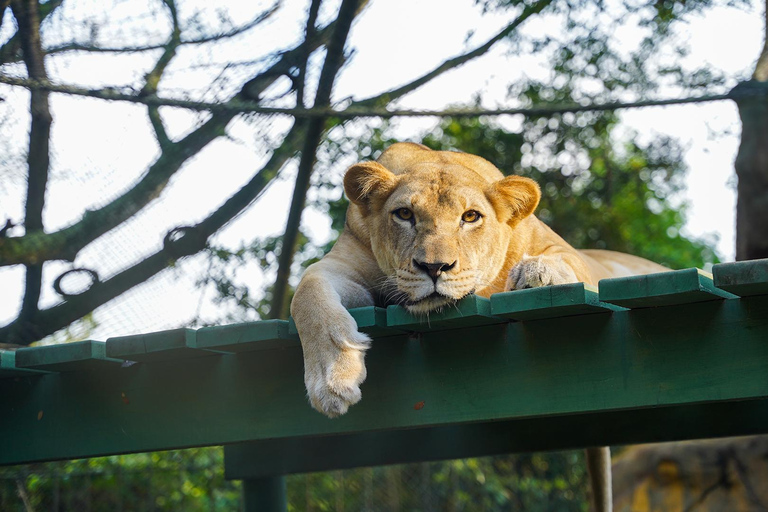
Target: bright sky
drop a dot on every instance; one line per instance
(100, 149)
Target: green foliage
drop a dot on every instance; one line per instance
(189, 480)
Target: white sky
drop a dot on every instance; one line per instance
(100, 149)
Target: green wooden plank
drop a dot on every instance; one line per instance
(549, 302)
(699, 354)
(156, 346)
(243, 337)
(75, 356)
(742, 278)
(258, 459)
(471, 311)
(8, 367)
(370, 320)
(662, 289)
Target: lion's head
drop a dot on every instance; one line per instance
(439, 222)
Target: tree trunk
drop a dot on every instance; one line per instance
(752, 171)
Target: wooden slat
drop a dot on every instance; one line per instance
(703, 354)
(742, 278)
(471, 311)
(244, 337)
(156, 346)
(662, 289)
(549, 302)
(370, 320)
(65, 357)
(8, 367)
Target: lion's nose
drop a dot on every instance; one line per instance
(434, 270)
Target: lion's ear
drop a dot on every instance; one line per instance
(514, 198)
(367, 180)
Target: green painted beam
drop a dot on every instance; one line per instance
(742, 278)
(156, 346)
(8, 369)
(704, 354)
(549, 302)
(258, 459)
(471, 311)
(65, 357)
(246, 336)
(662, 289)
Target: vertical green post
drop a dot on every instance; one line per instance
(265, 495)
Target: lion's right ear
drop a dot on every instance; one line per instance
(367, 180)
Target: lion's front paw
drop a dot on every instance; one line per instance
(334, 373)
(535, 271)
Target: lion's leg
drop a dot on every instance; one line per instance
(334, 350)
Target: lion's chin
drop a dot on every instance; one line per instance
(429, 304)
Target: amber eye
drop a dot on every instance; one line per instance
(471, 216)
(404, 214)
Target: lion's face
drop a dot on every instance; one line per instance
(438, 230)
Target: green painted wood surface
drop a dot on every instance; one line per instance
(65, 357)
(246, 336)
(742, 278)
(258, 459)
(370, 320)
(662, 289)
(156, 346)
(8, 367)
(549, 302)
(471, 311)
(703, 354)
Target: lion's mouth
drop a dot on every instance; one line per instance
(432, 302)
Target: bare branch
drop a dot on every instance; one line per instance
(309, 34)
(333, 61)
(152, 79)
(457, 61)
(9, 55)
(192, 241)
(9, 52)
(362, 108)
(67, 242)
(27, 15)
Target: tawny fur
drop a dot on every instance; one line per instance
(381, 258)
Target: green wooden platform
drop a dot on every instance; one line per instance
(677, 355)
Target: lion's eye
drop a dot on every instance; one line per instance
(471, 216)
(404, 214)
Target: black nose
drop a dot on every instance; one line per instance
(434, 270)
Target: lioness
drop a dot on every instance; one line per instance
(424, 229)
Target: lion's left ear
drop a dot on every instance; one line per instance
(368, 180)
(514, 198)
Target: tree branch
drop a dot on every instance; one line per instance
(309, 34)
(66, 243)
(10, 54)
(152, 79)
(192, 241)
(27, 15)
(333, 61)
(457, 61)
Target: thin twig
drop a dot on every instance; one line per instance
(358, 109)
(75, 47)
